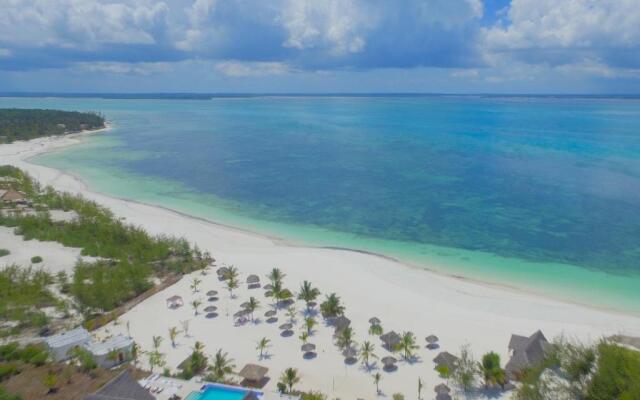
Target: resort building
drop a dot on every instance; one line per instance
(122, 387)
(113, 351)
(61, 345)
(11, 196)
(526, 352)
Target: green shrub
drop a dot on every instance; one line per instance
(7, 370)
(10, 352)
(617, 376)
(4, 395)
(36, 260)
(4, 252)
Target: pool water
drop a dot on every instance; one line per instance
(219, 392)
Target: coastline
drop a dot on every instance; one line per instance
(459, 310)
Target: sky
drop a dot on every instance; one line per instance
(321, 46)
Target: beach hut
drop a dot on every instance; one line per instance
(174, 302)
(526, 352)
(113, 351)
(122, 387)
(374, 321)
(12, 196)
(446, 359)
(254, 374)
(61, 345)
(390, 340)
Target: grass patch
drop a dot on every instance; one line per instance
(4, 252)
(36, 260)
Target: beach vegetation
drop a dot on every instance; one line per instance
(252, 305)
(4, 252)
(332, 306)
(375, 330)
(221, 367)
(195, 282)
(367, 353)
(308, 293)
(420, 387)
(4, 395)
(397, 396)
(276, 277)
(156, 359)
(86, 361)
(407, 345)
(492, 372)
(345, 338)
(173, 334)
(157, 341)
(36, 260)
(26, 124)
(617, 373)
(309, 323)
(196, 363)
(376, 381)
(196, 304)
(290, 377)
(51, 381)
(466, 371)
(314, 395)
(263, 345)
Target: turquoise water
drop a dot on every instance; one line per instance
(542, 194)
(218, 392)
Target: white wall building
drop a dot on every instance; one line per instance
(113, 351)
(60, 345)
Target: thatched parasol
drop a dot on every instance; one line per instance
(341, 323)
(240, 314)
(388, 360)
(442, 389)
(268, 286)
(431, 339)
(253, 279)
(308, 347)
(446, 359)
(374, 321)
(212, 293)
(222, 270)
(253, 372)
(286, 327)
(244, 305)
(350, 352)
(270, 313)
(268, 293)
(210, 309)
(391, 339)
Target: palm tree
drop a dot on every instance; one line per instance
(156, 359)
(276, 276)
(367, 353)
(173, 334)
(222, 366)
(308, 293)
(407, 344)
(157, 340)
(252, 305)
(309, 323)
(332, 306)
(375, 330)
(194, 284)
(289, 378)
(291, 313)
(376, 379)
(231, 273)
(420, 386)
(185, 327)
(232, 283)
(304, 336)
(198, 360)
(195, 304)
(263, 344)
(345, 338)
(135, 353)
(491, 370)
(198, 347)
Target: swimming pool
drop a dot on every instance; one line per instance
(220, 392)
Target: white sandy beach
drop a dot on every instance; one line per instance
(457, 311)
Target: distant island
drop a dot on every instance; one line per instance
(26, 124)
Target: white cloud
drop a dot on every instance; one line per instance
(80, 24)
(569, 31)
(122, 68)
(241, 69)
(4, 53)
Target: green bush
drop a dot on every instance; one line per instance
(10, 352)
(36, 260)
(4, 252)
(4, 395)
(7, 370)
(617, 376)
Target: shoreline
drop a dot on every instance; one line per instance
(406, 297)
(276, 240)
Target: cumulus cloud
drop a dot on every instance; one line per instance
(585, 32)
(122, 68)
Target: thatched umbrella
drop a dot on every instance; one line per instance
(308, 347)
(374, 321)
(268, 293)
(432, 341)
(286, 327)
(442, 389)
(222, 270)
(341, 323)
(210, 309)
(268, 286)
(350, 352)
(244, 305)
(389, 361)
(254, 373)
(270, 313)
(211, 293)
(212, 299)
(390, 339)
(253, 279)
(240, 314)
(446, 359)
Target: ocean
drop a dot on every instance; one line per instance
(537, 193)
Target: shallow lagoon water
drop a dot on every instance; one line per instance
(536, 193)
